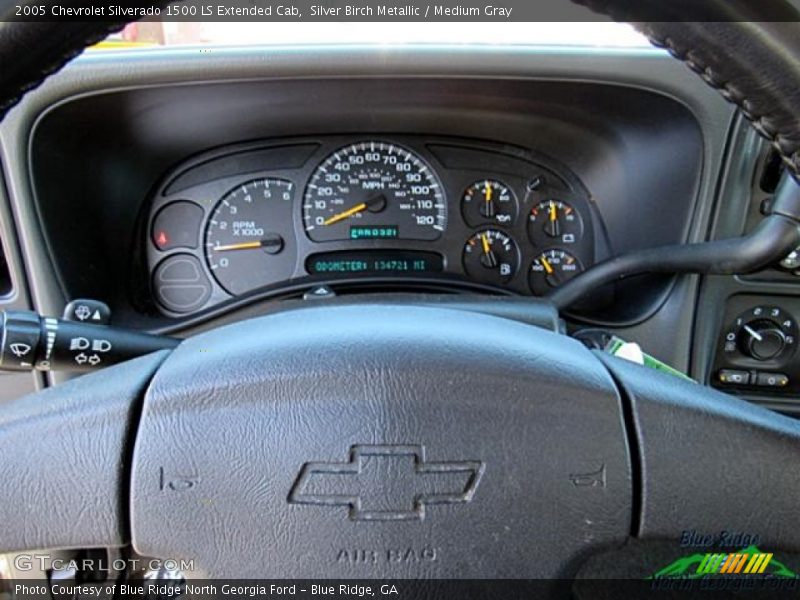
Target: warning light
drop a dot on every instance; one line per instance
(177, 225)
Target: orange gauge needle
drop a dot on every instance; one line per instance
(487, 248)
(487, 210)
(488, 259)
(553, 226)
(272, 245)
(376, 204)
(346, 214)
(242, 246)
(547, 266)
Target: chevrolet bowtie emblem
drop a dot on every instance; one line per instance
(386, 483)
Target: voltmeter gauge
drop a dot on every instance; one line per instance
(489, 201)
(551, 269)
(554, 222)
(491, 256)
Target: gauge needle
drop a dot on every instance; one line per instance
(376, 204)
(488, 206)
(271, 244)
(242, 246)
(487, 247)
(346, 214)
(547, 266)
(553, 227)
(488, 259)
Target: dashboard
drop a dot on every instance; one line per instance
(616, 158)
(268, 214)
(169, 198)
(185, 198)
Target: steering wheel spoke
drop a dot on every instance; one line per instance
(64, 460)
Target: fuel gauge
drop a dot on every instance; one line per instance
(491, 256)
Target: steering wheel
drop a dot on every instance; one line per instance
(401, 441)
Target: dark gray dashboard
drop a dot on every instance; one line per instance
(85, 155)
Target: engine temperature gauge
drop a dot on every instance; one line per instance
(554, 222)
(491, 256)
(551, 269)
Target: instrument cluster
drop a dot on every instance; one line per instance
(259, 217)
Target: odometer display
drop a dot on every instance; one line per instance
(374, 263)
(373, 186)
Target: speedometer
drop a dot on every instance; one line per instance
(374, 190)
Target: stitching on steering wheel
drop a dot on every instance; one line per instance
(731, 94)
(70, 51)
(781, 142)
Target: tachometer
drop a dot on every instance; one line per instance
(244, 247)
(374, 190)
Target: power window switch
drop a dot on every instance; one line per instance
(733, 377)
(777, 380)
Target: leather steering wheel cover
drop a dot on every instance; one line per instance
(766, 91)
(46, 48)
(752, 63)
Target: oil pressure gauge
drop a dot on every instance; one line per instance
(489, 201)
